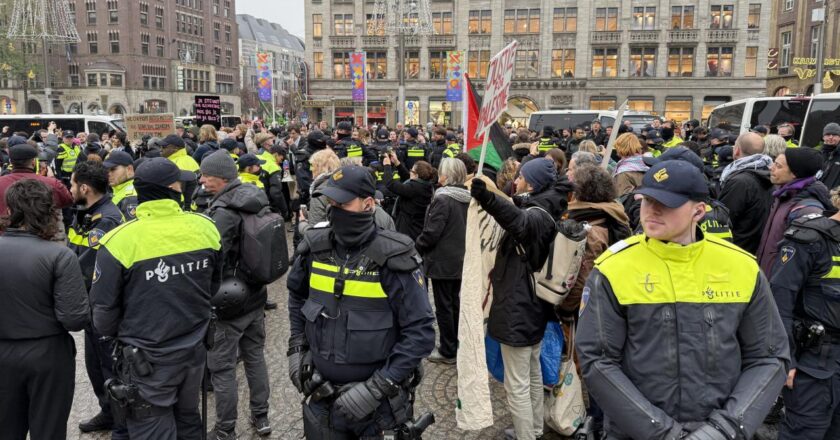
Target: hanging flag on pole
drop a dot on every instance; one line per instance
(264, 81)
(358, 76)
(496, 93)
(454, 76)
(499, 147)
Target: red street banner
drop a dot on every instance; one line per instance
(495, 98)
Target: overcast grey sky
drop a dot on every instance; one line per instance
(286, 13)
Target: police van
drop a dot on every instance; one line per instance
(77, 123)
(562, 119)
(742, 115)
(824, 108)
(189, 121)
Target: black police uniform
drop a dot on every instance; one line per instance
(806, 286)
(89, 226)
(412, 152)
(151, 290)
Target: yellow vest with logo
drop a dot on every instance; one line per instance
(270, 166)
(69, 154)
(253, 179)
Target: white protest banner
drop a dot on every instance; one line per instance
(153, 124)
(495, 99)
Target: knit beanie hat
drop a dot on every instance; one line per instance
(832, 128)
(804, 161)
(539, 173)
(219, 164)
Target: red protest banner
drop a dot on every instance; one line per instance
(495, 99)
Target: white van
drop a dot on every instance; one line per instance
(560, 119)
(76, 123)
(742, 115)
(824, 108)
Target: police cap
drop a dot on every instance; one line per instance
(117, 159)
(673, 183)
(162, 172)
(348, 183)
(21, 152)
(172, 139)
(344, 126)
(250, 159)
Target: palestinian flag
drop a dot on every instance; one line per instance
(498, 146)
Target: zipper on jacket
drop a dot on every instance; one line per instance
(711, 341)
(671, 334)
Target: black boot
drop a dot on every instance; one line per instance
(99, 422)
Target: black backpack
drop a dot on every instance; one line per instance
(263, 253)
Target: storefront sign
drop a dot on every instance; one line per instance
(157, 125)
(828, 62)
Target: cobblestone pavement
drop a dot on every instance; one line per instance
(437, 393)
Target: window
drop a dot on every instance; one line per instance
(375, 25)
(196, 80)
(72, 10)
(437, 65)
(643, 62)
(678, 109)
(317, 23)
(606, 19)
(341, 65)
(216, 7)
(527, 64)
(318, 64)
(643, 104)
(644, 18)
(113, 14)
(479, 22)
(154, 77)
(377, 65)
(93, 45)
(412, 64)
(815, 40)
(722, 16)
(719, 61)
(144, 44)
(789, 5)
(227, 33)
(116, 80)
(161, 42)
(604, 63)
(565, 20)
(90, 7)
(680, 61)
(217, 31)
(228, 57)
(784, 58)
(217, 55)
(522, 21)
(563, 63)
(602, 103)
(442, 22)
(159, 17)
(73, 70)
(227, 8)
(224, 84)
(92, 80)
(682, 17)
(751, 65)
(144, 14)
(343, 24)
(477, 64)
(754, 19)
(114, 41)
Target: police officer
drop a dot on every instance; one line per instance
(68, 154)
(412, 151)
(453, 148)
(95, 216)
(250, 170)
(345, 145)
(806, 285)
(679, 335)
(382, 144)
(174, 148)
(155, 300)
(547, 140)
(360, 318)
(120, 168)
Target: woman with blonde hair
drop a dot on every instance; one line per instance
(630, 169)
(774, 145)
(324, 163)
(506, 176)
(208, 142)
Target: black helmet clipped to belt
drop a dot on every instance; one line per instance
(231, 298)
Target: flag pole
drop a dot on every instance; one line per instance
(605, 162)
(483, 153)
(464, 104)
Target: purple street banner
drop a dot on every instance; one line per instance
(264, 85)
(358, 75)
(454, 76)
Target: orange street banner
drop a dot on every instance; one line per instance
(152, 124)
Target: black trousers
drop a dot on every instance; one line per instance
(447, 306)
(100, 368)
(37, 380)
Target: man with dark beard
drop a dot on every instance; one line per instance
(367, 284)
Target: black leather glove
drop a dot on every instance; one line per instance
(362, 399)
(479, 191)
(300, 364)
(708, 431)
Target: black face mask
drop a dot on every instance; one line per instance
(351, 228)
(667, 133)
(147, 192)
(787, 138)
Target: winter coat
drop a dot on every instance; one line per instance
(748, 194)
(316, 211)
(415, 195)
(205, 149)
(442, 241)
(628, 174)
(609, 224)
(831, 169)
(793, 200)
(517, 315)
(225, 210)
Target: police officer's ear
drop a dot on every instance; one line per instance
(369, 204)
(699, 212)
